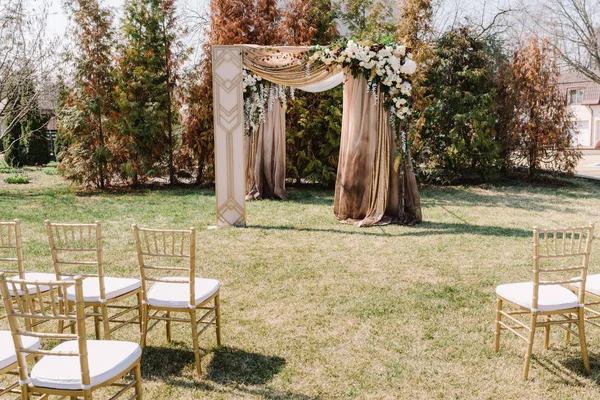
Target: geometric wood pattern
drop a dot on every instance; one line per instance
(229, 135)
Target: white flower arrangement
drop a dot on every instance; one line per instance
(385, 66)
(387, 69)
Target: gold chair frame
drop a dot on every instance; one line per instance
(87, 238)
(555, 244)
(59, 311)
(156, 244)
(11, 240)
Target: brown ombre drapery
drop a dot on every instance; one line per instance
(368, 189)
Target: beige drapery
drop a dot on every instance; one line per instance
(368, 189)
(265, 156)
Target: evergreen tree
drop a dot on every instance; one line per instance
(314, 120)
(25, 142)
(88, 141)
(458, 127)
(147, 67)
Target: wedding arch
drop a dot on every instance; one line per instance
(375, 181)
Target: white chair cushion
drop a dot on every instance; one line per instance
(106, 359)
(113, 287)
(34, 276)
(550, 297)
(177, 295)
(592, 284)
(7, 347)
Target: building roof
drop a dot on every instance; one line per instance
(576, 80)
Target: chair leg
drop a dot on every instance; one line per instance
(529, 346)
(97, 322)
(568, 332)
(105, 323)
(584, 352)
(144, 325)
(140, 310)
(137, 373)
(195, 341)
(547, 333)
(168, 327)
(218, 318)
(498, 319)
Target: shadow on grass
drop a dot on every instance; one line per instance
(230, 370)
(231, 366)
(426, 229)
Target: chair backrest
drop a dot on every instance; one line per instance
(44, 303)
(561, 257)
(76, 246)
(156, 247)
(11, 248)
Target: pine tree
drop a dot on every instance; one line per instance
(147, 68)
(86, 121)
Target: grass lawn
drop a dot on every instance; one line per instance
(314, 309)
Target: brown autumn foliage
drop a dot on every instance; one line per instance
(537, 130)
(231, 22)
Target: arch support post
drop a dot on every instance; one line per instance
(228, 106)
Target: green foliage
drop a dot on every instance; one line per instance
(458, 125)
(25, 140)
(18, 179)
(369, 19)
(145, 87)
(313, 136)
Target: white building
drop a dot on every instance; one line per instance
(583, 98)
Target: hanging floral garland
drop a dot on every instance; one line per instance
(259, 97)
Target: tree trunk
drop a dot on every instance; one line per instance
(101, 144)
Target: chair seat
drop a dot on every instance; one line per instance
(177, 295)
(550, 297)
(592, 284)
(7, 348)
(34, 276)
(106, 360)
(113, 287)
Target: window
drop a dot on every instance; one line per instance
(576, 96)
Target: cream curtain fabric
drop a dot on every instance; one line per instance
(265, 156)
(368, 189)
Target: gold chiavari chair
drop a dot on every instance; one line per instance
(11, 256)
(176, 288)
(560, 258)
(79, 246)
(77, 366)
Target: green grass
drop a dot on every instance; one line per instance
(19, 179)
(314, 309)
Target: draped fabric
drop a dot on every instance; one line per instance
(289, 66)
(265, 149)
(265, 156)
(368, 189)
